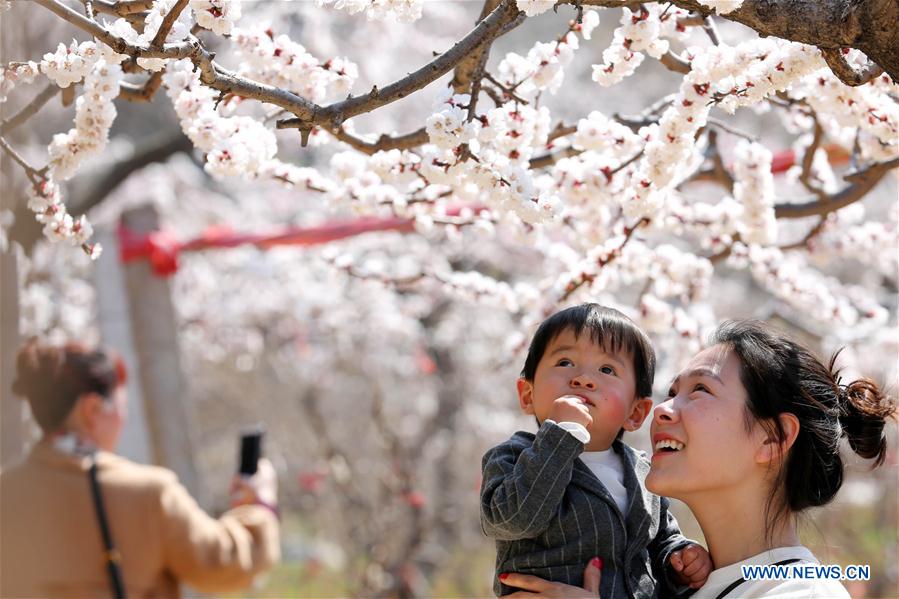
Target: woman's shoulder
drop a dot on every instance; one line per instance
(796, 589)
(784, 572)
(116, 470)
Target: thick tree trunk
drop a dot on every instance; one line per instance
(155, 333)
(12, 435)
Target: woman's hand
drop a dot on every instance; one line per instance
(261, 488)
(535, 587)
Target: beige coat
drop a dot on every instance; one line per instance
(50, 543)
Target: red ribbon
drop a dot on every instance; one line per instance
(162, 249)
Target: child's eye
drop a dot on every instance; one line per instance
(607, 370)
(564, 362)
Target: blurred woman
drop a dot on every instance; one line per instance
(749, 438)
(80, 521)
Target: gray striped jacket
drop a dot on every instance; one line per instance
(550, 515)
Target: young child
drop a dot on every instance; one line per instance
(574, 491)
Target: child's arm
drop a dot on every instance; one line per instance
(668, 540)
(523, 484)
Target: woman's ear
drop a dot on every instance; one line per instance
(87, 407)
(639, 411)
(771, 448)
(526, 395)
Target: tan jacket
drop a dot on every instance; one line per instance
(50, 543)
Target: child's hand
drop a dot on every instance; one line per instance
(571, 408)
(692, 565)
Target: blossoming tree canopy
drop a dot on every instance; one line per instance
(652, 201)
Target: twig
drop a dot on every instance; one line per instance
(385, 142)
(675, 63)
(804, 243)
(808, 159)
(33, 174)
(860, 183)
(484, 32)
(603, 261)
(708, 26)
(167, 23)
(144, 93)
(29, 109)
(551, 158)
(508, 92)
(561, 130)
(719, 124)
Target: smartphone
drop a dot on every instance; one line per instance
(250, 449)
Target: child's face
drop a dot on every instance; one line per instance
(577, 366)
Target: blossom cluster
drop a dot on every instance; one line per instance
(45, 200)
(727, 76)
(754, 190)
(639, 32)
(404, 11)
(70, 64)
(809, 292)
(216, 15)
(10, 75)
(94, 114)
(281, 62)
(238, 145)
(870, 110)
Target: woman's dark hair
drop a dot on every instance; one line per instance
(608, 328)
(781, 376)
(53, 378)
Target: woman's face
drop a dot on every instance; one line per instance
(699, 436)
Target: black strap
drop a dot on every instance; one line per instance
(740, 581)
(111, 554)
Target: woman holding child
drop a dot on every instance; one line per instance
(749, 438)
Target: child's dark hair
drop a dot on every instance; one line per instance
(781, 376)
(608, 328)
(53, 378)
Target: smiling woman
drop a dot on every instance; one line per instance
(748, 438)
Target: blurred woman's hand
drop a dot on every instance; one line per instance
(261, 488)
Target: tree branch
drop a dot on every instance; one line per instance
(334, 114)
(167, 23)
(462, 76)
(847, 73)
(385, 142)
(551, 158)
(122, 8)
(211, 74)
(29, 109)
(808, 159)
(33, 173)
(675, 63)
(156, 149)
(860, 183)
(144, 93)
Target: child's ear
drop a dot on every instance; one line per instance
(639, 411)
(526, 395)
(770, 449)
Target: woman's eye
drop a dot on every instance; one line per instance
(607, 370)
(702, 388)
(671, 392)
(564, 362)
